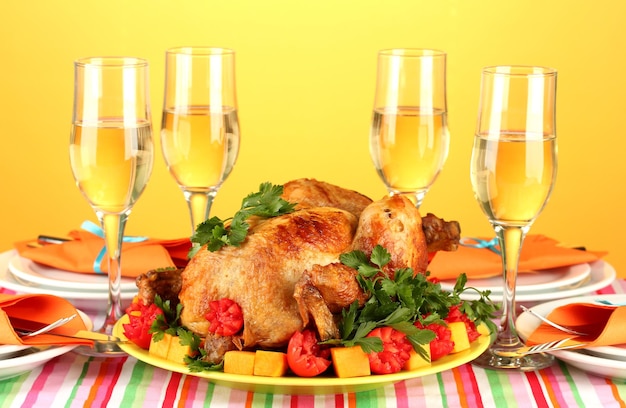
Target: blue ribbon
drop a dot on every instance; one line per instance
(481, 243)
(96, 230)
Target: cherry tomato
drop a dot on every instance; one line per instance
(442, 345)
(396, 349)
(140, 319)
(225, 317)
(307, 358)
(455, 315)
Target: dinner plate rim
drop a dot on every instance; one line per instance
(5, 282)
(32, 276)
(10, 349)
(544, 286)
(300, 385)
(602, 275)
(526, 324)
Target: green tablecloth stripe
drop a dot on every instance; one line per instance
(141, 374)
(500, 387)
(79, 382)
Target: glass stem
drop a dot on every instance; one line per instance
(199, 204)
(511, 239)
(416, 197)
(113, 227)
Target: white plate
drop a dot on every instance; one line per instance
(602, 275)
(613, 366)
(12, 367)
(556, 278)
(9, 350)
(32, 272)
(602, 367)
(80, 299)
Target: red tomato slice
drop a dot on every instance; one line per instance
(306, 358)
(225, 317)
(396, 349)
(140, 319)
(455, 315)
(442, 345)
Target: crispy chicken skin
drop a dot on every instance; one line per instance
(325, 290)
(261, 274)
(163, 282)
(394, 223)
(441, 235)
(313, 193)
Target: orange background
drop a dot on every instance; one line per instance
(305, 81)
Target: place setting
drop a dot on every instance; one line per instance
(75, 268)
(548, 270)
(35, 328)
(587, 332)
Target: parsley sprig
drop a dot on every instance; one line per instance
(169, 322)
(402, 300)
(266, 203)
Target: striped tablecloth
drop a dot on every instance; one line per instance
(73, 380)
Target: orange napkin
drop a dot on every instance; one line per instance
(604, 325)
(538, 252)
(80, 254)
(44, 309)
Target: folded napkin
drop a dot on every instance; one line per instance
(604, 325)
(84, 253)
(43, 309)
(538, 252)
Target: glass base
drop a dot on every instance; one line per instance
(108, 349)
(530, 362)
(107, 346)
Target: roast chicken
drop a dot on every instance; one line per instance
(286, 275)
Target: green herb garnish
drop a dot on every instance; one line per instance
(265, 203)
(401, 301)
(168, 322)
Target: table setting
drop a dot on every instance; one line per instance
(66, 303)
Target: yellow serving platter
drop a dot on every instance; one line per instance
(298, 385)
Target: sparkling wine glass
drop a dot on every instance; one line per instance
(513, 169)
(409, 137)
(111, 154)
(200, 128)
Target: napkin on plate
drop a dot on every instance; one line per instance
(538, 252)
(83, 254)
(44, 309)
(604, 325)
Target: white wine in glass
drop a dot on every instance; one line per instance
(409, 136)
(513, 170)
(111, 155)
(200, 127)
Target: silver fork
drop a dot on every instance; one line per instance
(546, 347)
(47, 328)
(551, 323)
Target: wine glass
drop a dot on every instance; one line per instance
(200, 128)
(513, 169)
(111, 153)
(409, 137)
